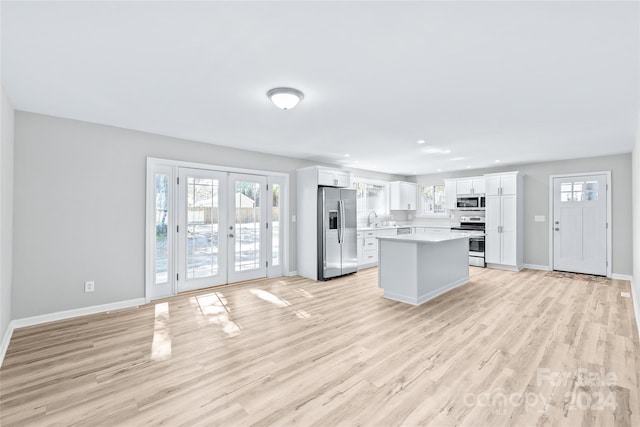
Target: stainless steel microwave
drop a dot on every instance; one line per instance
(470, 203)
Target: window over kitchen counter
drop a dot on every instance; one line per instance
(431, 200)
(371, 195)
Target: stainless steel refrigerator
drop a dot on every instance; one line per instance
(337, 234)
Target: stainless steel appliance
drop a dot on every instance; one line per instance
(474, 225)
(337, 235)
(470, 203)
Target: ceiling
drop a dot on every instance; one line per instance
(479, 82)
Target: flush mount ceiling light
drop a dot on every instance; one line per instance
(285, 98)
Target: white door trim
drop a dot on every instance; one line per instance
(609, 216)
(153, 163)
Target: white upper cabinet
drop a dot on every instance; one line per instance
(475, 185)
(334, 178)
(463, 186)
(479, 185)
(402, 196)
(501, 184)
(450, 193)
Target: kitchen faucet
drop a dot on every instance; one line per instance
(369, 222)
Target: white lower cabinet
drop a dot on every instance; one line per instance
(368, 246)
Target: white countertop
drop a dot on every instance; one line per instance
(382, 227)
(388, 227)
(426, 237)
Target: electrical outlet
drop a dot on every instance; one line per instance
(89, 286)
(625, 294)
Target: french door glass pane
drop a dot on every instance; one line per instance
(275, 226)
(247, 225)
(202, 227)
(162, 218)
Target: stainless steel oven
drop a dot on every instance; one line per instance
(475, 227)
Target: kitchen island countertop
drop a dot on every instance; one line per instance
(426, 237)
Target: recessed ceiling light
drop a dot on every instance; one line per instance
(497, 161)
(439, 170)
(414, 172)
(455, 159)
(421, 141)
(285, 98)
(347, 155)
(434, 150)
(468, 167)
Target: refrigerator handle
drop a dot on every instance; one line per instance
(341, 220)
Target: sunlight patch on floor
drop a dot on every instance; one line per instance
(279, 302)
(161, 345)
(213, 309)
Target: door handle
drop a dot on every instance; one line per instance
(557, 229)
(230, 235)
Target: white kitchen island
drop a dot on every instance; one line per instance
(414, 268)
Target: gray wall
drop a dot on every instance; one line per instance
(6, 209)
(536, 202)
(80, 207)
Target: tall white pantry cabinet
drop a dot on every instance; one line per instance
(504, 246)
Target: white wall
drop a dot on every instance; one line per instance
(6, 209)
(80, 208)
(536, 202)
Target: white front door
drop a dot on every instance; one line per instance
(246, 230)
(202, 249)
(580, 224)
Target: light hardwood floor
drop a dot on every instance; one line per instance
(526, 348)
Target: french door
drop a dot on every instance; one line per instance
(209, 227)
(201, 233)
(247, 228)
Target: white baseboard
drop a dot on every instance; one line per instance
(622, 277)
(5, 341)
(536, 267)
(77, 312)
(61, 315)
(292, 273)
(635, 299)
(409, 299)
(504, 267)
